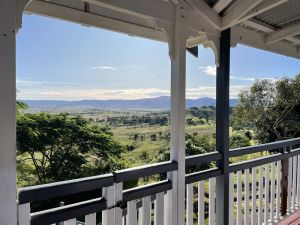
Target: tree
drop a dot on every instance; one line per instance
(271, 108)
(63, 147)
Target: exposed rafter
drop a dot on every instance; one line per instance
(140, 8)
(221, 5)
(262, 7)
(207, 12)
(237, 10)
(83, 18)
(283, 33)
(267, 29)
(256, 40)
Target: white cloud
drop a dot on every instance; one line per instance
(209, 70)
(103, 68)
(212, 70)
(77, 93)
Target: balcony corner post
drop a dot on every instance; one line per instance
(8, 205)
(175, 205)
(222, 129)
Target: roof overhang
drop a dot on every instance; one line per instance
(272, 25)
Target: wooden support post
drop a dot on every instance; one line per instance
(176, 202)
(222, 129)
(284, 185)
(8, 206)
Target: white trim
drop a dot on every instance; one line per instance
(220, 5)
(283, 33)
(236, 11)
(207, 12)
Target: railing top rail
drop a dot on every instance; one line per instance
(263, 147)
(202, 158)
(63, 188)
(146, 190)
(144, 171)
(63, 213)
(262, 161)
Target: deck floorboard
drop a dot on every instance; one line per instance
(293, 219)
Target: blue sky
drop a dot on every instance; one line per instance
(62, 60)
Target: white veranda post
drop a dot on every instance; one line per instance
(178, 70)
(8, 212)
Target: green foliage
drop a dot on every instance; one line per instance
(240, 139)
(271, 108)
(62, 147)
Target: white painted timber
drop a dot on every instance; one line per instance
(294, 190)
(289, 188)
(146, 211)
(207, 12)
(239, 212)
(298, 182)
(201, 203)
(70, 222)
(256, 40)
(177, 142)
(159, 209)
(141, 8)
(272, 205)
(131, 218)
(278, 188)
(190, 204)
(212, 202)
(283, 33)
(8, 205)
(231, 199)
(246, 197)
(260, 195)
(236, 11)
(24, 214)
(256, 24)
(109, 214)
(267, 194)
(221, 5)
(118, 197)
(88, 19)
(253, 209)
(90, 219)
(262, 7)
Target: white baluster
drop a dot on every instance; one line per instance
(231, 199)
(294, 182)
(289, 188)
(260, 195)
(118, 198)
(239, 217)
(70, 222)
(246, 201)
(190, 205)
(109, 214)
(212, 204)
(24, 214)
(90, 219)
(267, 193)
(131, 217)
(253, 210)
(298, 182)
(159, 209)
(146, 211)
(278, 190)
(272, 192)
(201, 203)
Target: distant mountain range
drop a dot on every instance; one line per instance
(158, 103)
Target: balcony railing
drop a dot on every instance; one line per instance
(261, 191)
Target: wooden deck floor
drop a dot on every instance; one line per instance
(293, 219)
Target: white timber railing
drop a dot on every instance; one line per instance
(261, 191)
